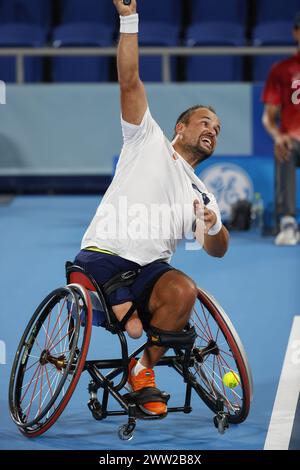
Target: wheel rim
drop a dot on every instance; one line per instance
(47, 360)
(215, 354)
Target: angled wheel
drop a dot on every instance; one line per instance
(49, 359)
(126, 431)
(218, 351)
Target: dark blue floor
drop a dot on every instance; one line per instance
(256, 283)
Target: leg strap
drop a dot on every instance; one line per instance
(172, 339)
(123, 279)
(127, 315)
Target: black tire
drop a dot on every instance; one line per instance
(218, 350)
(50, 358)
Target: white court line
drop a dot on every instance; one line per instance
(283, 414)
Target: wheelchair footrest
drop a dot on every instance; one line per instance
(143, 396)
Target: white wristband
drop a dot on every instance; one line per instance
(129, 24)
(215, 228)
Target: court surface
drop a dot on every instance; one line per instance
(256, 283)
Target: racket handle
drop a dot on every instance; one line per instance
(127, 2)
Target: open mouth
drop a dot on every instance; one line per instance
(207, 142)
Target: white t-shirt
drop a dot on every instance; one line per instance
(148, 207)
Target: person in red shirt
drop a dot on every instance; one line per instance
(281, 96)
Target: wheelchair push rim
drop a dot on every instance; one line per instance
(217, 351)
(49, 360)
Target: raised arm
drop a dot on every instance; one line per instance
(133, 95)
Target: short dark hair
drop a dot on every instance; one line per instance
(186, 115)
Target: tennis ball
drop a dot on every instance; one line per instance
(231, 379)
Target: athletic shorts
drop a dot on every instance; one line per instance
(103, 266)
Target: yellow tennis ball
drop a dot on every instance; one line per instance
(231, 379)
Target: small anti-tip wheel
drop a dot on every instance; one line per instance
(125, 432)
(96, 409)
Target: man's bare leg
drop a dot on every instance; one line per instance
(171, 303)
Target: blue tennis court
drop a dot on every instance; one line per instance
(256, 283)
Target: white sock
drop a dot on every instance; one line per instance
(138, 367)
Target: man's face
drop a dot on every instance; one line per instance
(201, 133)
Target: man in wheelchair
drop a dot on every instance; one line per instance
(152, 171)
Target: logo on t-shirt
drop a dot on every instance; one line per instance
(229, 183)
(296, 93)
(205, 197)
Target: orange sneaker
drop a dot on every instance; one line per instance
(145, 378)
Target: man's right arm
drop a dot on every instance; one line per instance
(269, 119)
(133, 95)
(282, 142)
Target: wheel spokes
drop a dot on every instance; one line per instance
(30, 382)
(60, 312)
(213, 358)
(49, 360)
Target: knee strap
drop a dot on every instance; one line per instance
(172, 339)
(127, 315)
(149, 394)
(123, 279)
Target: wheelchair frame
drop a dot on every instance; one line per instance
(179, 362)
(81, 282)
(100, 411)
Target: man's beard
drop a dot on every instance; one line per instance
(199, 152)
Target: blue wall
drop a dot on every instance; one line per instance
(76, 128)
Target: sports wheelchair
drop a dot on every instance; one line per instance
(52, 355)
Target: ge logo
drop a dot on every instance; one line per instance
(229, 183)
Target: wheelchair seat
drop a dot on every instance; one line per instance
(77, 275)
(103, 314)
(102, 311)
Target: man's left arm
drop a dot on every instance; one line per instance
(217, 244)
(216, 236)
